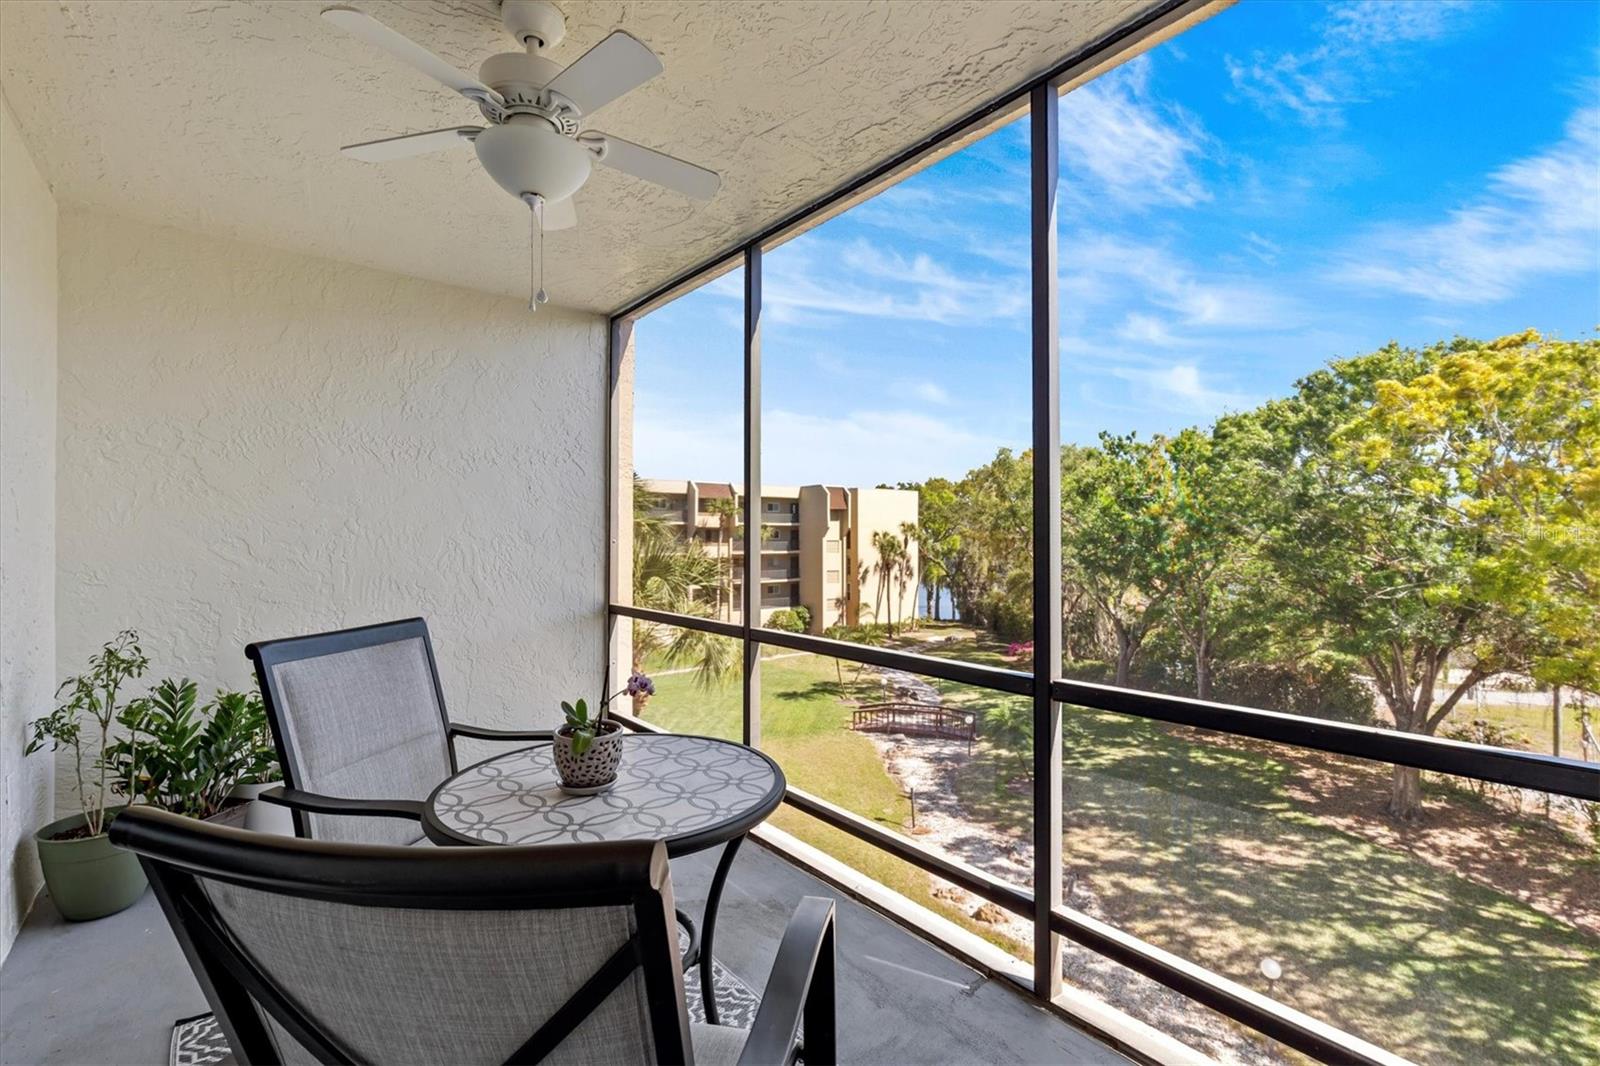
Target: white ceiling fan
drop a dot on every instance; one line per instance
(535, 146)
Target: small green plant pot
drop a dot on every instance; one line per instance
(89, 877)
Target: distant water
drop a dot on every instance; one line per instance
(947, 607)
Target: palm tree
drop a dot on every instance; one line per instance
(891, 553)
(727, 512)
(666, 572)
(645, 520)
(904, 562)
(715, 658)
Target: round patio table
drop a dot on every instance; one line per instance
(691, 793)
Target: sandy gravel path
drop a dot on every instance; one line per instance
(927, 767)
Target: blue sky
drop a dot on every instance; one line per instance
(1287, 183)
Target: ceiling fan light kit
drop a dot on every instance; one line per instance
(524, 155)
(535, 146)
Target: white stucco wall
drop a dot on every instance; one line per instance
(256, 444)
(27, 511)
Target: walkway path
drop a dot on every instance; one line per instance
(927, 768)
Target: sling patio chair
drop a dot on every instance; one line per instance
(315, 951)
(362, 733)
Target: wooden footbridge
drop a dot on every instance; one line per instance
(916, 720)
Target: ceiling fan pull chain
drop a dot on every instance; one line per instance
(541, 296)
(537, 294)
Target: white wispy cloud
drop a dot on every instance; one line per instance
(1141, 328)
(1182, 387)
(1170, 294)
(1261, 248)
(1539, 216)
(1363, 45)
(927, 392)
(985, 215)
(819, 281)
(1119, 142)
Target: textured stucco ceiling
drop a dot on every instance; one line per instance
(226, 118)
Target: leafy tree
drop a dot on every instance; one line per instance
(1221, 593)
(1117, 536)
(938, 535)
(1008, 726)
(1508, 433)
(993, 540)
(1412, 482)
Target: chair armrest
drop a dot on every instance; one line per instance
(800, 988)
(480, 733)
(316, 803)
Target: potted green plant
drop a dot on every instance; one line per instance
(186, 757)
(87, 876)
(261, 772)
(588, 749)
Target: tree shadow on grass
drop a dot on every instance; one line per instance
(1198, 849)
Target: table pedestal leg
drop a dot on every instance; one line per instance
(708, 991)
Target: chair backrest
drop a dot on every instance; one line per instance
(357, 714)
(311, 951)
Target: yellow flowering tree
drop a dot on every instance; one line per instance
(1441, 519)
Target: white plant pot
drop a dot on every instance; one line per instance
(264, 817)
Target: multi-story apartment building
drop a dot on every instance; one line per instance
(817, 546)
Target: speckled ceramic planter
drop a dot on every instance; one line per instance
(596, 769)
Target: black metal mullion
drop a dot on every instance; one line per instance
(1044, 108)
(682, 621)
(1011, 681)
(618, 336)
(752, 495)
(1502, 766)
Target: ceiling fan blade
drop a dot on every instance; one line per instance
(410, 144)
(408, 51)
(617, 65)
(663, 169)
(562, 214)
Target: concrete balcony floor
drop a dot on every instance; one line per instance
(109, 991)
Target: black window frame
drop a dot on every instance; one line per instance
(1044, 685)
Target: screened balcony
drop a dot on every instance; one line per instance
(1180, 646)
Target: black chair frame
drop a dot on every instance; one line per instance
(179, 853)
(268, 654)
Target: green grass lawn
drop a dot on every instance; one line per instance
(805, 727)
(1532, 724)
(1204, 849)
